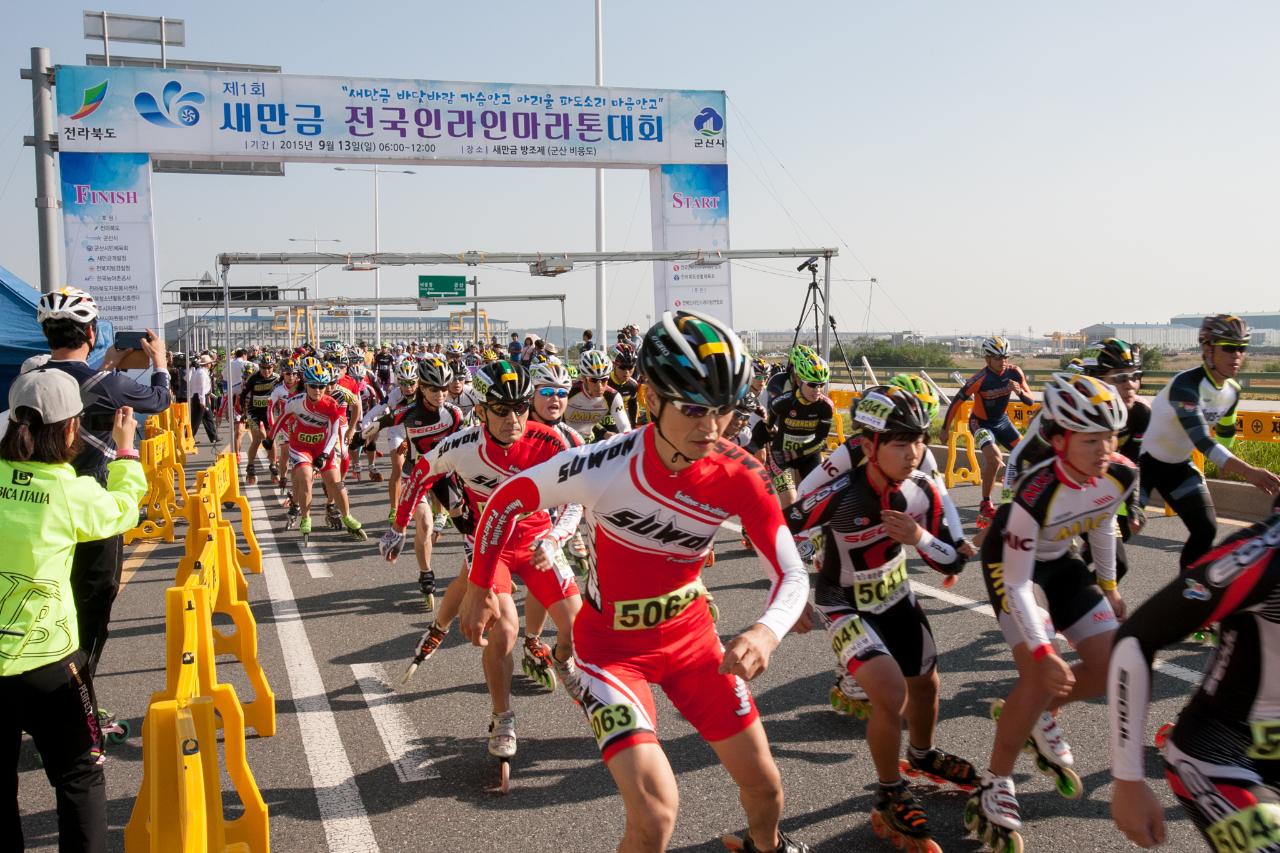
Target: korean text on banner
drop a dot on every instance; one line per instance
(221, 115)
(110, 236)
(692, 212)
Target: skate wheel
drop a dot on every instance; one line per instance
(1041, 765)
(971, 814)
(732, 842)
(429, 602)
(878, 825)
(408, 673)
(996, 707)
(1069, 784)
(1162, 735)
(504, 776)
(861, 713)
(1012, 844)
(123, 734)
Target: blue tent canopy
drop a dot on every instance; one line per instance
(20, 335)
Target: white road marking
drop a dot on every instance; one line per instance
(1171, 669)
(342, 811)
(315, 564)
(394, 726)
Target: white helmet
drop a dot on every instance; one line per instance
(1081, 403)
(595, 364)
(67, 303)
(550, 372)
(995, 346)
(454, 348)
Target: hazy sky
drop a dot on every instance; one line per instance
(994, 165)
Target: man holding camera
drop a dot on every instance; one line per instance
(69, 319)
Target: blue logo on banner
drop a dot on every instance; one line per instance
(708, 122)
(178, 110)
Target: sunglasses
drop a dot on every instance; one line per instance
(319, 385)
(1234, 347)
(1131, 376)
(695, 411)
(403, 383)
(815, 384)
(553, 392)
(502, 410)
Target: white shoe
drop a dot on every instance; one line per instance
(1050, 742)
(502, 735)
(999, 801)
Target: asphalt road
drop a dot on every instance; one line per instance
(360, 765)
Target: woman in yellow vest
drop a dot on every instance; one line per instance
(47, 509)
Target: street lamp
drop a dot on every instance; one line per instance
(377, 273)
(315, 242)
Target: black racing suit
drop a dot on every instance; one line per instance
(800, 432)
(862, 589)
(1223, 758)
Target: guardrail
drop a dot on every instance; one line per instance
(1260, 382)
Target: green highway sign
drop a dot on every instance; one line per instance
(438, 288)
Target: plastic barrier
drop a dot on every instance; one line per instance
(184, 440)
(230, 595)
(179, 806)
(224, 481)
(954, 473)
(161, 503)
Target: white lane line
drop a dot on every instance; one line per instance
(315, 564)
(1171, 669)
(411, 762)
(342, 812)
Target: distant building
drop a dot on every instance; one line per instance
(1260, 320)
(194, 332)
(1166, 336)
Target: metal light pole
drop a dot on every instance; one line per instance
(600, 282)
(377, 237)
(205, 280)
(40, 74)
(315, 270)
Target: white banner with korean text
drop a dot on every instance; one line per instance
(224, 115)
(110, 237)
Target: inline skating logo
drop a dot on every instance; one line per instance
(178, 110)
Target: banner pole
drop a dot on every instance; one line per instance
(46, 175)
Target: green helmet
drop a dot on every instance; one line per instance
(914, 384)
(502, 382)
(808, 365)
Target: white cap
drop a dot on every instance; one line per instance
(54, 394)
(34, 362)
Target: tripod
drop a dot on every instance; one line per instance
(812, 298)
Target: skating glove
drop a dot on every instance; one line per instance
(390, 545)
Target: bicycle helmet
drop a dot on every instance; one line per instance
(890, 409)
(1224, 329)
(316, 375)
(749, 404)
(356, 368)
(995, 347)
(406, 371)
(594, 364)
(1080, 403)
(291, 366)
(454, 348)
(503, 382)
(1111, 354)
(1075, 365)
(488, 355)
(266, 360)
(808, 365)
(67, 303)
(624, 356)
(434, 372)
(760, 368)
(550, 372)
(913, 384)
(694, 358)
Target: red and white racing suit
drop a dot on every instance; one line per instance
(647, 620)
(314, 429)
(482, 465)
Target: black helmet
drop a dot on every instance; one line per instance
(887, 408)
(624, 356)
(434, 372)
(502, 382)
(748, 405)
(691, 357)
(1224, 329)
(1111, 354)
